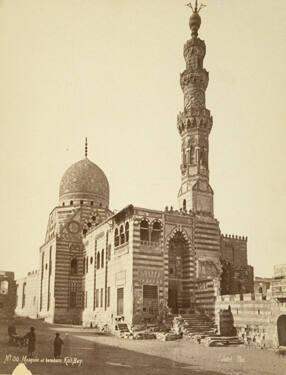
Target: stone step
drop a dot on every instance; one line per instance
(192, 316)
(200, 334)
(122, 327)
(198, 323)
(202, 330)
(197, 320)
(199, 328)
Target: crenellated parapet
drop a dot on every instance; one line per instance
(233, 249)
(234, 237)
(181, 211)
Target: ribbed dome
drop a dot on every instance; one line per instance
(84, 180)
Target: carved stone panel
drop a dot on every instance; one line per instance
(150, 277)
(208, 268)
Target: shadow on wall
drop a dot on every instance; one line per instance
(281, 328)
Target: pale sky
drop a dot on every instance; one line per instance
(109, 70)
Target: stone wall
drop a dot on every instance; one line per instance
(28, 295)
(253, 318)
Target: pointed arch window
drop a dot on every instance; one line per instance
(74, 266)
(102, 258)
(116, 238)
(184, 205)
(122, 236)
(156, 232)
(144, 230)
(184, 158)
(127, 232)
(24, 295)
(187, 156)
(98, 261)
(86, 265)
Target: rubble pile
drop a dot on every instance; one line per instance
(195, 327)
(179, 325)
(168, 336)
(217, 340)
(143, 336)
(138, 327)
(148, 332)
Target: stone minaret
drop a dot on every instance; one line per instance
(194, 125)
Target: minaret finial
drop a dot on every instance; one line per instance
(195, 19)
(85, 150)
(195, 8)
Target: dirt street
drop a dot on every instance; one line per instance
(87, 352)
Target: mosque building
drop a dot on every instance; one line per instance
(97, 266)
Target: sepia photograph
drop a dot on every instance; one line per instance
(143, 187)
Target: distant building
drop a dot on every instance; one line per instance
(262, 285)
(7, 294)
(28, 295)
(279, 283)
(97, 266)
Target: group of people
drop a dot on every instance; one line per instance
(254, 338)
(30, 339)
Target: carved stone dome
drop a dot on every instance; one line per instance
(84, 181)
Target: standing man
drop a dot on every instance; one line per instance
(11, 332)
(58, 342)
(31, 336)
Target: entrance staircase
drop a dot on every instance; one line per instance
(201, 329)
(121, 329)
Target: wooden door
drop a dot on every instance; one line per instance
(120, 300)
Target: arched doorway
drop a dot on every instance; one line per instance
(281, 327)
(177, 254)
